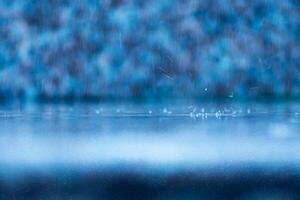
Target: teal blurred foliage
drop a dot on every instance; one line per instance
(155, 48)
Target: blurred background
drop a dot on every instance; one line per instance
(149, 49)
(157, 99)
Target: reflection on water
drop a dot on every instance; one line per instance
(192, 143)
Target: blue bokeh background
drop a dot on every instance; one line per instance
(157, 48)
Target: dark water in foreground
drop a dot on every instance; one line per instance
(150, 151)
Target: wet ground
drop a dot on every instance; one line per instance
(174, 150)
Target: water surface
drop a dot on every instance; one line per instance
(61, 142)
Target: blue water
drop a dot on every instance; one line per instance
(148, 140)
